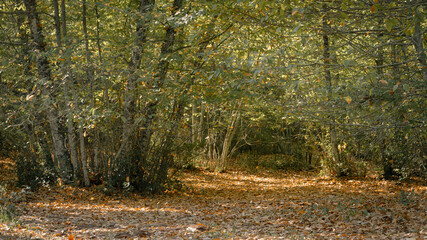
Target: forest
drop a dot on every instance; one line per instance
(300, 114)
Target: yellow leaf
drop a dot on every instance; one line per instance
(29, 97)
(348, 99)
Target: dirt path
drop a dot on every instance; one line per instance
(233, 205)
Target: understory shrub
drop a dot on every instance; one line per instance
(33, 173)
(273, 161)
(9, 204)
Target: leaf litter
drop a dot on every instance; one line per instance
(231, 205)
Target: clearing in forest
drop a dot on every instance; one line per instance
(231, 205)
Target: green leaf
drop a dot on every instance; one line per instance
(389, 24)
(395, 87)
(344, 15)
(406, 87)
(296, 29)
(349, 62)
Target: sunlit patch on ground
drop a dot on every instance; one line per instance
(233, 205)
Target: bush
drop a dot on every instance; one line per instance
(272, 161)
(9, 209)
(33, 174)
(351, 168)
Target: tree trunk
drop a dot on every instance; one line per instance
(105, 93)
(328, 79)
(90, 78)
(65, 86)
(387, 168)
(201, 137)
(23, 36)
(227, 150)
(193, 123)
(159, 79)
(129, 108)
(418, 40)
(43, 67)
(135, 173)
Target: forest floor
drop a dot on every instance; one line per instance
(231, 205)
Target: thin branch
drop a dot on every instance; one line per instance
(11, 43)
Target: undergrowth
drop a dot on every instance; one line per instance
(9, 204)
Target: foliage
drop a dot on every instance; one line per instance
(128, 90)
(9, 204)
(34, 174)
(253, 160)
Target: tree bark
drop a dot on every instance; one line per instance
(201, 123)
(160, 76)
(105, 93)
(229, 135)
(193, 123)
(90, 78)
(24, 38)
(65, 76)
(328, 79)
(418, 42)
(387, 168)
(43, 67)
(151, 108)
(129, 109)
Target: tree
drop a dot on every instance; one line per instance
(43, 66)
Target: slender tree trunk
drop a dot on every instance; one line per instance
(197, 131)
(83, 152)
(129, 109)
(387, 168)
(162, 70)
(65, 86)
(105, 91)
(43, 67)
(160, 170)
(24, 38)
(161, 166)
(229, 135)
(90, 78)
(134, 169)
(328, 79)
(159, 78)
(201, 123)
(418, 42)
(193, 122)
(100, 59)
(73, 106)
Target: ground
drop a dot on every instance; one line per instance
(231, 205)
